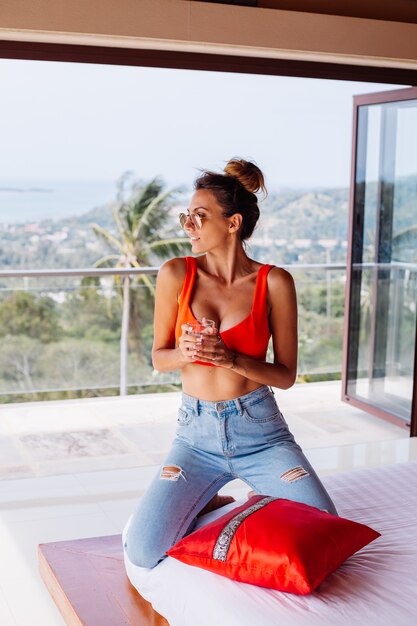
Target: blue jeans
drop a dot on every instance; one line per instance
(215, 442)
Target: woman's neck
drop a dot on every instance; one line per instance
(228, 265)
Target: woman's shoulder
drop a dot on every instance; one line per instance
(173, 270)
(279, 278)
(275, 275)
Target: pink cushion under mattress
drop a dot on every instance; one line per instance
(377, 585)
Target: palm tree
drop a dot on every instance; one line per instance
(143, 233)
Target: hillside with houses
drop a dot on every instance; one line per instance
(294, 227)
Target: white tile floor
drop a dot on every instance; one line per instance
(45, 508)
(50, 438)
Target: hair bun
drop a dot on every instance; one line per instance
(247, 173)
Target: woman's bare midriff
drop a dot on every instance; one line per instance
(215, 383)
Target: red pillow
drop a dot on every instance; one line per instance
(276, 543)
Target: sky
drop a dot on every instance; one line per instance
(67, 121)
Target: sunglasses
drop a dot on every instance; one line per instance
(196, 220)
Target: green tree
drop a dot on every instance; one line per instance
(89, 314)
(144, 234)
(19, 363)
(23, 313)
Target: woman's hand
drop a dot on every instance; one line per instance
(213, 350)
(187, 343)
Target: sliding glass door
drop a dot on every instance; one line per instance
(380, 332)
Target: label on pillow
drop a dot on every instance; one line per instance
(222, 545)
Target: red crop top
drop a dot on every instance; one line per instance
(251, 335)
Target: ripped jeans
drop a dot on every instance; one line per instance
(245, 438)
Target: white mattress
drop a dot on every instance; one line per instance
(377, 585)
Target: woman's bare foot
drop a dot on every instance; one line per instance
(215, 503)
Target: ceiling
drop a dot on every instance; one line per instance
(396, 11)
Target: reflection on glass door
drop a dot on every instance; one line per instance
(380, 336)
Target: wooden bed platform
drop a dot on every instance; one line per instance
(87, 580)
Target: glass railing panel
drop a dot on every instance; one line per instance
(61, 332)
(321, 297)
(60, 335)
(383, 373)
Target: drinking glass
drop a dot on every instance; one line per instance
(203, 327)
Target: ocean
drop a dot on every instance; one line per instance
(33, 201)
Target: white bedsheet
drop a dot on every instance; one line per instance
(377, 585)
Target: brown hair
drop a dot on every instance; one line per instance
(235, 191)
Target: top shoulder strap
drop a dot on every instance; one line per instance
(259, 301)
(188, 284)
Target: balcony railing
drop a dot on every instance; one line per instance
(60, 330)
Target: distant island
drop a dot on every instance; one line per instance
(25, 190)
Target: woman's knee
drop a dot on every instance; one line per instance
(330, 508)
(142, 554)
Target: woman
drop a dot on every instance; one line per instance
(229, 425)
